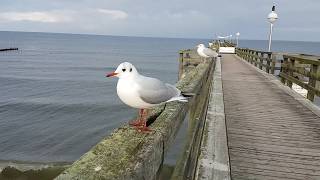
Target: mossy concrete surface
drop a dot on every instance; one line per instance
(129, 154)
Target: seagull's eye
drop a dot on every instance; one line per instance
(123, 70)
(130, 69)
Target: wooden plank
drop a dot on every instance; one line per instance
(271, 135)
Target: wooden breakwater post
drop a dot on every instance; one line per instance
(128, 154)
(301, 69)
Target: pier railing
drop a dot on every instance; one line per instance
(263, 60)
(303, 70)
(128, 154)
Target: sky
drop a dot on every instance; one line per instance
(298, 20)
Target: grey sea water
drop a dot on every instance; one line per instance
(55, 102)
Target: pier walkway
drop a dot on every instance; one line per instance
(271, 135)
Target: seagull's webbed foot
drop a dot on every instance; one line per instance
(137, 122)
(144, 129)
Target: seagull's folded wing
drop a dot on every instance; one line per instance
(210, 52)
(154, 91)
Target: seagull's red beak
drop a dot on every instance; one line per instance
(111, 74)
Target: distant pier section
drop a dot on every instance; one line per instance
(8, 49)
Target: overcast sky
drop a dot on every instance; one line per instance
(298, 20)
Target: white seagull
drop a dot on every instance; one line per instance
(143, 92)
(206, 52)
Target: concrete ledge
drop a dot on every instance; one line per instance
(213, 161)
(307, 103)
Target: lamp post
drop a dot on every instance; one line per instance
(237, 36)
(272, 17)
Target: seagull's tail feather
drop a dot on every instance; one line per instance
(179, 98)
(188, 95)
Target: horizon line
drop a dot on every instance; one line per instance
(134, 36)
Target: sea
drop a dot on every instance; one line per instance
(55, 101)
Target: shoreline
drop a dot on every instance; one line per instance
(31, 170)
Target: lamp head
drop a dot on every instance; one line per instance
(273, 16)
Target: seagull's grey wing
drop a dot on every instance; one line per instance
(154, 91)
(210, 52)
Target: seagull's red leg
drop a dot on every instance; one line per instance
(139, 121)
(143, 127)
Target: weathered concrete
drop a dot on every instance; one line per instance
(213, 161)
(271, 135)
(127, 154)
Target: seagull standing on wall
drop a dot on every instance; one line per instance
(143, 92)
(206, 52)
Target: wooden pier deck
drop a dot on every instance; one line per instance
(271, 135)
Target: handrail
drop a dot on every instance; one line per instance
(303, 70)
(307, 67)
(262, 59)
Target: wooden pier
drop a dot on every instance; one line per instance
(271, 135)
(244, 122)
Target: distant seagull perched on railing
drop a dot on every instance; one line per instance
(143, 92)
(206, 52)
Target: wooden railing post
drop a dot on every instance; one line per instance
(250, 56)
(260, 59)
(180, 64)
(254, 57)
(268, 59)
(273, 62)
(312, 82)
(247, 55)
(290, 70)
(284, 69)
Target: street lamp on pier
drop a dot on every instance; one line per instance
(272, 17)
(237, 36)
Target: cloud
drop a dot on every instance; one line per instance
(36, 16)
(114, 14)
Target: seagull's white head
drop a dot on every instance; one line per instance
(200, 46)
(124, 70)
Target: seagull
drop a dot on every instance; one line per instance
(142, 92)
(206, 52)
